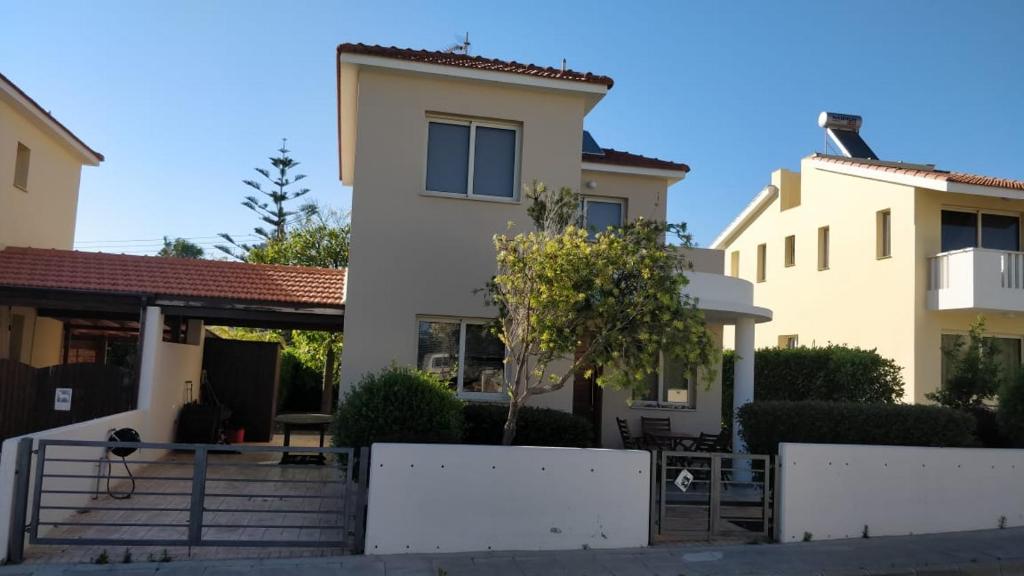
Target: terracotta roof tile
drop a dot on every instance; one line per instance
(475, 62)
(940, 175)
(620, 158)
(7, 81)
(170, 277)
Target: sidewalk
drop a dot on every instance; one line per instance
(996, 552)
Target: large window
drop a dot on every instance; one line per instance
(600, 214)
(673, 386)
(472, 159)
(464, 353)
(963, 229)
(1007, 350)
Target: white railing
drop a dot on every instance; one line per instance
(976, 278)
(1012, 265)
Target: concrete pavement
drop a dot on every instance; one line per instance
(995, 552)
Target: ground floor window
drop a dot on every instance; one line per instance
(1008, 352)
(464, 352)
(673, 386)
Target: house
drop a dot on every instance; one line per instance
(880, 254)
(438, 147)
(40, 166)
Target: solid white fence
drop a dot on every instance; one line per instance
(457, 498)
(830, 491)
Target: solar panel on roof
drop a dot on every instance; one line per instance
(851, 144)
(590, 145)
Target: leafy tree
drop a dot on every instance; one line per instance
(974, 371)
(1011, 409)
(605, 307)
(271, 210)
(180, 248)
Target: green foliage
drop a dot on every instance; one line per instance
(398, 405)
(484, 424)
(180, 248)
(103, 558)
(767, 423)
(320, 239)
(610, 302)
(300, 386)
(1011, 410)
(974, 374)
(830, 373)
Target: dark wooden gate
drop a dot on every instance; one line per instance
(244, 375)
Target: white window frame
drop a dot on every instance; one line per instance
(500, 396)
(691, 393)
(606, 200)
(473, 124)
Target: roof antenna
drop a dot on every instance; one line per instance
(460, 47)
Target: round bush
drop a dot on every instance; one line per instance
(398, 405)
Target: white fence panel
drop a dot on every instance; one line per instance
(456, 498)
(831, 491)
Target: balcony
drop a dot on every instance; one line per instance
(976, 279)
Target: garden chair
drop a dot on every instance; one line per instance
(657, 432)
(629, 442)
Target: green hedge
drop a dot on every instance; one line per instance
(1011, 411)
(830, 373)
(398, 405)
(766, 424)
(485, 424)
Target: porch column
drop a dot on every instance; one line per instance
(150, 339)
(743, 376)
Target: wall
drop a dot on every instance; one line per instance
(43, 217)
(833, 491)
(452, 498)
(98, 430)
(860, 300)
(166, 367)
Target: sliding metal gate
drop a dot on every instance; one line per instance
(700, 496)
(188, 495)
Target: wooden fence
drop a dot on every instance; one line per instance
(27, 395)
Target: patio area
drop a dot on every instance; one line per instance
(251, 501)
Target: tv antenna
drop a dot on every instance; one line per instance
(460, 47)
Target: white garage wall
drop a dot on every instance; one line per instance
(457, 498)
(833, 491)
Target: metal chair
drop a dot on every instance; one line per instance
(656, 432)
(629, 442)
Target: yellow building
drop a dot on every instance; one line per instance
(887, 255)
(40, 166)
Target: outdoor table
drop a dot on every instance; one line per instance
(303, 421)
(676, 440)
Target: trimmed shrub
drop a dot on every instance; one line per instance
(766, 424)
(830, 373)
(485, 423)
(1011, 410)
(398, 405)
(299, 388)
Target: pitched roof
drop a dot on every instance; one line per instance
(620, 158)
(6, 82)
(475, 62)
(171, 277)
(922, 172)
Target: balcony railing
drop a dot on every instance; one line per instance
(976, 278)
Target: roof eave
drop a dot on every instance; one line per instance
(939, 184)
(754, 209)
(672, 176)
(32, 110)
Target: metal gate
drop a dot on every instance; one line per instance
(700, 496)
(189, 495)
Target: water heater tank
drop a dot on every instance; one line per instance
(836, 121)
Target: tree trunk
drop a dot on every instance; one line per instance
(510, 423)
(326, 395)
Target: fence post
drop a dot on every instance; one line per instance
(19, 507)
(195, 514)
(716, 492)
(654, 499)
(362, 500)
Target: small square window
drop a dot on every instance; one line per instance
(789, 341)
(762, 252)
(790, 251)
(601, 214)
(673, 385)
(883, 234)
(21, 165)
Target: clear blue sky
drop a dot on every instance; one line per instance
(185, 98)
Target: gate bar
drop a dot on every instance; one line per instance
(195, 515)
(16, 535)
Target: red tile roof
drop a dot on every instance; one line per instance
(940, 175)
(620, 158)
(170, 277)
(46, 113)
(475, 62)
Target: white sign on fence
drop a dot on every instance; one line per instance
(683, 480)
(62, 400)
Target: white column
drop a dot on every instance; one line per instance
(742, 392)
(152, 336)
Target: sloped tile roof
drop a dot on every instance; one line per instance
(940, 175)
(475, 62)
(620, 158)
(171, 277)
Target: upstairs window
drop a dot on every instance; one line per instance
(883, 234)
(734, 264)
(21, 163)
(762, 251)
(472, 159)
(601, 214)
(962, 229)
(790, 258)
(823, 248)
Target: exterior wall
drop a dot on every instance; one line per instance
(644, 195)
(931, 324)
(837, 491)
(166, 369)
(505, 498)
(41, 338)
(43, 217)
(860, 300)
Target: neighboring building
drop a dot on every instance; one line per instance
(40, 166)
(437, 147)
(888, 255)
